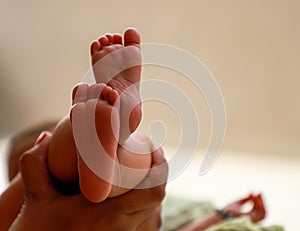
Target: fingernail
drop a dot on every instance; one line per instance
(74, 92)
(41, 137)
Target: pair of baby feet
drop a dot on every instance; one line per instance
(123, 65)
(106, 113)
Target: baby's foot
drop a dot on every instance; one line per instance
(109, 57)
(95, 124)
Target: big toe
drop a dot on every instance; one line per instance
(132, 37)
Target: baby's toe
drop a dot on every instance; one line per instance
(80, 93)
(117, 39)
(104, 41)
(95, 90)
(95, 47)
(109, 36)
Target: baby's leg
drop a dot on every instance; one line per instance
(63, 162)
(63, 165)
(109, 57)
(94, 109)
(62, 158)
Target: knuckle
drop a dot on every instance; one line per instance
(26, 158)
(31, 159)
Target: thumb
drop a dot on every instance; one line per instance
(34, 170)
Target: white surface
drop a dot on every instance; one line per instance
(236, 174)
(251, 47)
(3, 175)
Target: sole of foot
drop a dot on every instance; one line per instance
(95, 124)
(110, 57)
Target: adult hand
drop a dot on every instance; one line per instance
(45, 209)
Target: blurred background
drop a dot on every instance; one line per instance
(251, 48)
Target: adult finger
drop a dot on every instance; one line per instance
(34, 170)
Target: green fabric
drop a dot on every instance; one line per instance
(178, 212)
(242, 224)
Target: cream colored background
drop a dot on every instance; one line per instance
(251, 47)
